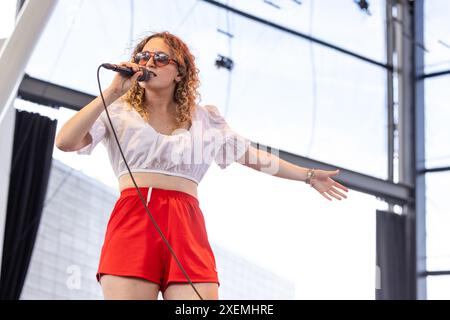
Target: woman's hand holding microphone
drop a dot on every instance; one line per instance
(122, 83)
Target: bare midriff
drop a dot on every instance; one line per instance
(158, 180)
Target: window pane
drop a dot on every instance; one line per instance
(438, 221)
(438, 288)
(341, 23)
(315, 102)
(437, 35)
(437, 116)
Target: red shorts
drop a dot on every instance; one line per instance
(134, 247)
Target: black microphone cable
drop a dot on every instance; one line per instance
(139, 192)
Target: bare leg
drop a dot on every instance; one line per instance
(178, 291)
(128, 288)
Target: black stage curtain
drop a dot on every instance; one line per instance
(34, 137)
(391, 256)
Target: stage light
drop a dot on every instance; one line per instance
(224, 62)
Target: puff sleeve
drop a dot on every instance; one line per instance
(231, 144)
(98, 132)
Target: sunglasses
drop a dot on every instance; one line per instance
(161, 58)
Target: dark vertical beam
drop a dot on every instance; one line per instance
(420, 223)
(406, 86)
(390, 92)
(409, 31)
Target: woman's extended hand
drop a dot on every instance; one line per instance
(324, 184)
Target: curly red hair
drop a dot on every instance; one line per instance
(186, 91)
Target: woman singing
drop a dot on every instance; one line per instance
(169, 141)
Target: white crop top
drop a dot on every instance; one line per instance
(185, 153)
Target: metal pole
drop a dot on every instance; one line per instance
(419, 113)
(17, 49)
(411, 138)
(390, 93)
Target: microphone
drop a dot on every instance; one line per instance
(127, 71)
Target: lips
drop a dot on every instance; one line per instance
(153, 74)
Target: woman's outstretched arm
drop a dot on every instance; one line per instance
(266, 162)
